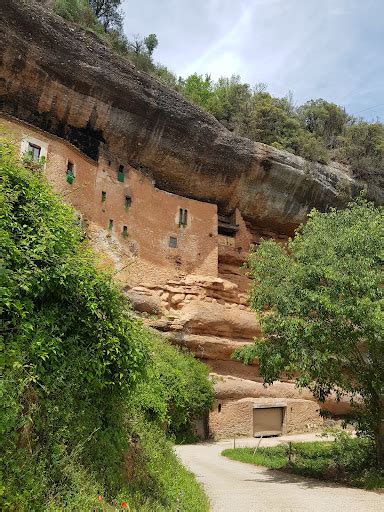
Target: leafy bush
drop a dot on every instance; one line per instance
(78, 11)
(75, 361)
(176, 389)
(156, 477)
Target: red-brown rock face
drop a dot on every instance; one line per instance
(65, 81)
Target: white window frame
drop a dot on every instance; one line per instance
(27, 139)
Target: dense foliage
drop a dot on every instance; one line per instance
(80, 374)
(320, 304)
(346, 460)
(175, 390)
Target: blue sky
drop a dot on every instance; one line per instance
(331, 49)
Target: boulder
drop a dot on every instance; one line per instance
(144, 303)
(215, 319)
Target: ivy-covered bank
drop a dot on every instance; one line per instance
(89, 396)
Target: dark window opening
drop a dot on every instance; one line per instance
(34, 152)
(125, 230)
(120, 173)
(128, 202)
(109, 163)
(110, 225)
(227, 225)
(183, 217)
(172, 242)
(103, 196)
(219, 408)
(70, 172)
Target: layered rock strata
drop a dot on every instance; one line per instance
(66, 81)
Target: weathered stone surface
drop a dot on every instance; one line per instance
(84, 93)
(143, 303)
(232, 388)
(215, 320)
(208, 347)
(230, 418)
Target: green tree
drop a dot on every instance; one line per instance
(107, 13)
(229, 94)
(362, 147)
(151, 42)
(320, 304)
(197, 89)
(326, 121)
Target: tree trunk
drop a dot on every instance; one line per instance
(379, 433)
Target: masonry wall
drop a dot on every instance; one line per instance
(229, 418)
(151, 216)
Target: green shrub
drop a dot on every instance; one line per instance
(74, 367)
(78, 11)
(176, 389)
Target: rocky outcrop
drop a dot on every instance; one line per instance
(207, 315)
(233, 388)
(64, 80)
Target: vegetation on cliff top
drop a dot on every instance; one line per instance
(318, 130)
(88, 393)
(320, 305)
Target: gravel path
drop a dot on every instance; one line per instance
(237, 487)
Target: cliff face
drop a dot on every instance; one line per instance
(65, 81)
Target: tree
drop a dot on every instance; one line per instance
(320, 304)
(197, 89)
(228, 96)
(325, 120)
(107, 12)
(362, 148)
(136, 45)
(151, 43)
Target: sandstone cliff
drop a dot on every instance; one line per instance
(67, 82)
(64, 80)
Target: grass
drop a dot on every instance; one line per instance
(350, 461)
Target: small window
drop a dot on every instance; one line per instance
(172, 242)
(110, 225)
(70, 172)
(33, 152)
(103, 196)
(120, 173)
(183, 217)
(128, 202)
(125, 230)
(219, 408)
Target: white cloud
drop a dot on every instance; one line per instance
(316, 48)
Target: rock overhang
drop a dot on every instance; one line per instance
(64, 80)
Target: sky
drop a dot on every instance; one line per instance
(330, 49)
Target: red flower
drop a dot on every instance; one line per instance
(124, 504)
(100, 498)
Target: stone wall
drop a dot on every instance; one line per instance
(230, 418)
(151, 216)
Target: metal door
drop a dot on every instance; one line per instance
(267, 421)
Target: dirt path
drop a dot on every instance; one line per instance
(237, 487)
